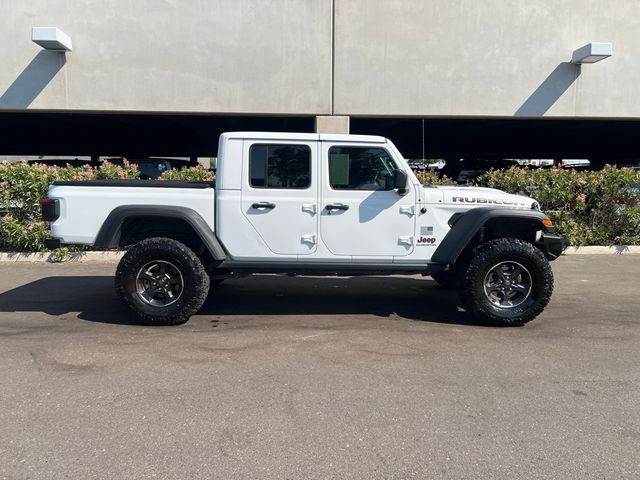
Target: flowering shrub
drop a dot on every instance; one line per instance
(23, 235)
(197, 173)
(22, 185)
(589, 208)
(430, 177)
(110, 171)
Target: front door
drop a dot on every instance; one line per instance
(361, 215)
(280, 195)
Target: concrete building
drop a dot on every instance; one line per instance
(440, 77)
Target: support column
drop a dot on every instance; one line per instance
(332, 124)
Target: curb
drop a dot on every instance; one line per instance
(598, 250)
(114, 257)
(52, 257)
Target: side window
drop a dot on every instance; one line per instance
(360, 168)
(279, 166)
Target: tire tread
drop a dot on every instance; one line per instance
(506, 248)
(145, 251)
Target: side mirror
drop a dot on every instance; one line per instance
(400, 179)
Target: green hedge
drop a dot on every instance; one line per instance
(590, 208)
(22, 185)
(431, 177)
(198, 173)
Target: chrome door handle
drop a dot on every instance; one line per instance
(261, 205)
(337, 206)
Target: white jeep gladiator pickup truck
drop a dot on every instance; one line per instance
(311, 204)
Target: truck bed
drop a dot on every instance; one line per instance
(85, 205)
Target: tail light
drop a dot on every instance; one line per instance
(50, 209)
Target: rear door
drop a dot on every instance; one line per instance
(361, 216)
(280, 194)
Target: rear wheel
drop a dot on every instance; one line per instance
(162, 281)
(508, 282)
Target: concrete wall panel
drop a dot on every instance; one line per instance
(489, 57)
(392, 57)
(254, 56)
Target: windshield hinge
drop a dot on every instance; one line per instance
(310, 239)
(408, 209)
(408, 240)
(309, 208)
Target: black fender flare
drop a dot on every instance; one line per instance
(111, 230)
(464, 226)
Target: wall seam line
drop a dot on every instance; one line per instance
(333, 55)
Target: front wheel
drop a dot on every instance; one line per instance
(162, 281)
(508, 282)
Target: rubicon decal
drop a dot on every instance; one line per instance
(486, 201)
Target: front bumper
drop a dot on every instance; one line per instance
(552, 245)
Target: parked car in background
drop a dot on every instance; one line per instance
(466, 170)
(556, 162)
(425, 165)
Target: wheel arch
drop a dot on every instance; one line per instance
(477, 225)
(130, 224)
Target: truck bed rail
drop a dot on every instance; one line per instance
(137, 183)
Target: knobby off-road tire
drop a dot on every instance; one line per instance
(507, 282)
(446, 279)
(162, 281)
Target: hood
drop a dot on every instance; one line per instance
(479, 196)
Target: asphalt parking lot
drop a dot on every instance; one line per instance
(302, 378)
